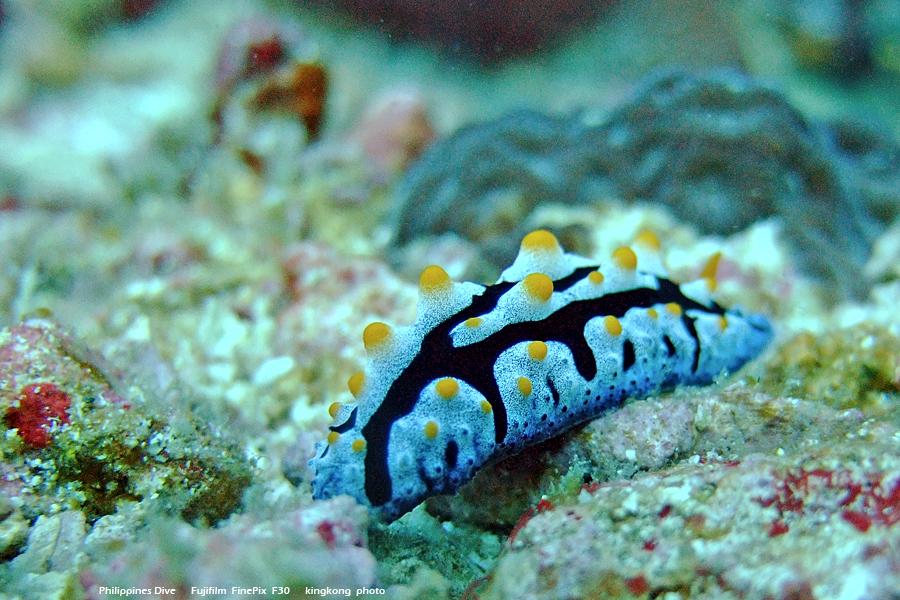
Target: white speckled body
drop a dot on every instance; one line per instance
(487, 371)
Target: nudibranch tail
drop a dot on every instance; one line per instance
(484, 372)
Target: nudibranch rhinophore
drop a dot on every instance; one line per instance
(486, 371)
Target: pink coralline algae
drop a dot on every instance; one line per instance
(810, 526)
(864, 500)
(36, 408)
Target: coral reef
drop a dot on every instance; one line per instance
(394, 130)
(484, 181)
(269, 105)
(718, 149)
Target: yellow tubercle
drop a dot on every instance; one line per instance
(648, 239)
(375, 335)
(712, 266)
(334, 408)
(625, 258)
(612, 324)
(333, 437)
(723, 322)
(595, 277)
(537, 350)
(541, 240)
(358, 445)
(652, 312)
(431, 430)
(446, 388)
(709, 271)
(434, 280)
(486, 407)
(674, 309)
(473, 322)
(355, 383)
(524, 385)
(538, 286)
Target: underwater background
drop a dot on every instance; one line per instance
(204, 203)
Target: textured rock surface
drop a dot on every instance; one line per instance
(797, 525)
(319, 546)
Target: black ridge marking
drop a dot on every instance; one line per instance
(692, 330)
(670, 347)
(473, 364)
(627, 355)
(565, 283)
(553, 391)
(346, 425)
(451, 454)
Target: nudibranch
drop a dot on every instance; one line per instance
(485, 371)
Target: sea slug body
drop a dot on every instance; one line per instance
(484, 372)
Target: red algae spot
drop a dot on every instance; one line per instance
(637, 585)
(665, 511)
(470, 594)
(778, 528)
(858, 519)
(263, 56)
(798, 591)
(325, 529)
(542, 506)
(37, 405)
(865, 500)
(269, 65)
(10, 203)
(590, 488)
(253, 47)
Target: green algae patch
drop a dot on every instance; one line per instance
(108, 442)
(853, 367)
